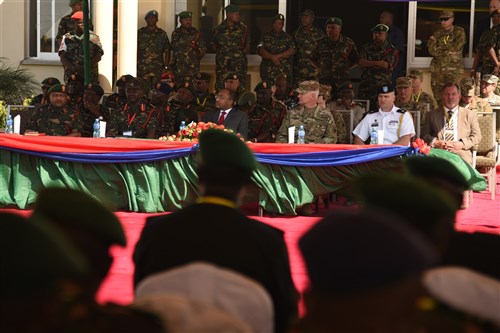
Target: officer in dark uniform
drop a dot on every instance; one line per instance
(204, 99)
(232, 82)
(117, 100)
(43, 98)
(91, 109)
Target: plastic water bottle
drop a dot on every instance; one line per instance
(9, 128)
(183, 124)
(97, 128)
(301, 134)
(374, 133)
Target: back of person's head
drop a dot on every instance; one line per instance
(226, 163)
(88, 224)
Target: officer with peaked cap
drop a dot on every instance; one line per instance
(225, 167)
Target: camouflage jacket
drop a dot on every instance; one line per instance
(73, 46)
(87, 118)
(318, 124)
(114, 102)
(374, 76)
(188, 47)
(290, 101)
(151, 47)
(265, 118)
(276, 44)
(425, 98)
(307, 57)
(204, 103)
(478, 104)
(173, 114)
(139, 118)
(489, 39)
(446, 48)
(336, 60)
(67, 25)
(52, 121)
(414, 106)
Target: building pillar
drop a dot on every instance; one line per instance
(103, 14)
(127, 37)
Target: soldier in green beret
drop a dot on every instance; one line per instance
(231, 43)
(204, 98)
(188, 48)
(276, 49)
(43, 98)
(58, 117)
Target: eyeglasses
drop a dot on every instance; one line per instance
(442, 19)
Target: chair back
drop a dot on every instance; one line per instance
(416, 114)
(496, 110)
(487, 125)
(348, 116)
(25, 113)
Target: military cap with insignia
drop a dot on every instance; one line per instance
(123, 79)
(416, 73)
(380, 28)
(77, 16)
(151, 13)
(232, 9)
(279, 17)
(185, 15)
(232, 76)
(203, 76)
(333, 20)
(349, 253)
(50, 81)
(58, 88)
(403, 82)
(223, 149)
(446, 14)
(189, 87)
(489, 78)
(307, 12)
(307, 86)
(263, 85)
(246, 99)
(34, 257)
(95, 88)
(385, 89)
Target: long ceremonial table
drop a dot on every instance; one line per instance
(157, 176)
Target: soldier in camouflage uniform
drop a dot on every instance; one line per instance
(488, 85)
(284, 92)
(231, 42)
(71, 51)
(182, 108)
(470, 101)
(404, 99)
(418, 95)
(117, 100)
(232, 82)
(188, 47)
(138, 118)
(66, 24)
(276, 49)
(307, 57)
(318, 122)
(75, 89)
(324, 101)
(43, 98)
(57, 117)
(204, 100)
(446, 48)
(90, 108)
(345, 102)
(153, 49)
(488, 49)
(338, 55)
(377, 61)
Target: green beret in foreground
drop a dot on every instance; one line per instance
(50, 81)
(80, 210)
(232, 9)
(34, 257)
(219, 148)
(185, 15)
(247, 98)
(380, 28)
(58, 88)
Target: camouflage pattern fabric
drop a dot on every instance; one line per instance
(358, 110)
(73, 46)
(446, 49)
(114, 102)
(340, 125)
(204, 103)
(372, 78)
(489, 39)
(230, 56)
(87, 119)
(139, 118)
(493, 100)
(67, 25)
(478, 104)
(151, 46)
(318, 124)
(38, 101)
(307, 58)
(55, 122)
(426, 99)
(276, 44)
(265, 118)
(414, 106)
(336, 60)
(187, 46)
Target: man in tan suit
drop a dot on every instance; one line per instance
(452, 127)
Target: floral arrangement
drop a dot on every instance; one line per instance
(192, 131)
(421, 146)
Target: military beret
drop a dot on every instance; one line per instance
(263, 85)
(77, 16)
(203, 76)
(96, 88)
(279, 17)
(79, 210)
(185, 15)
(73, 2)
(351, 252)
(135, 83)
(50, 81)
(151, 13)
(403, 82)
(495, 12)
(325, 90)
(385, 89)
(380, 28)
(346, 86)
(247, 98)
(307, 86)
(220, 148)
(232, 76)
(307, 12)
(34, 257)
(232, 9)
(333, 20)
(58, 88)
(489, 78)
(123, 79)
(167, 76)
(446, 14)
(416, 73)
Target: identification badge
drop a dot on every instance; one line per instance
(127, 133)
(393, 124)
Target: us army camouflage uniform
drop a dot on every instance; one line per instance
(478, 104)
(446, 49)
(230, 57)
(139, 118)
(336, 60)
(494, 100)
(318, 124)
(276, 44)
(307, 58)
(489, 39)
(151, 46)
(56, 122)
(414, 106)
(424, 98)
(187, 46)
(204, 103)
(372, 78)
(73, 46)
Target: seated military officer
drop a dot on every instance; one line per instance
(397, 124)
(232, 82)
(43, 98)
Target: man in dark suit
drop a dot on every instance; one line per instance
(227, 115)
(452, 128)
(228, 239)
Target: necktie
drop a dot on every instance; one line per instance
(221, 118)
(450, 128)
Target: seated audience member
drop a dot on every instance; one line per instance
(92, 229)
(345, 102)
(453, 127)
(205, 99)
(397, 124)
(468, 98)
(246, 246)
(405, 101)
(91, 109)
(117, 100)
(418, 95)
(75, 89)
(488, 85)
(324, 101)
(284, 91)
(43, 98)
(35, 261)
(232, 83)
(318, 122)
